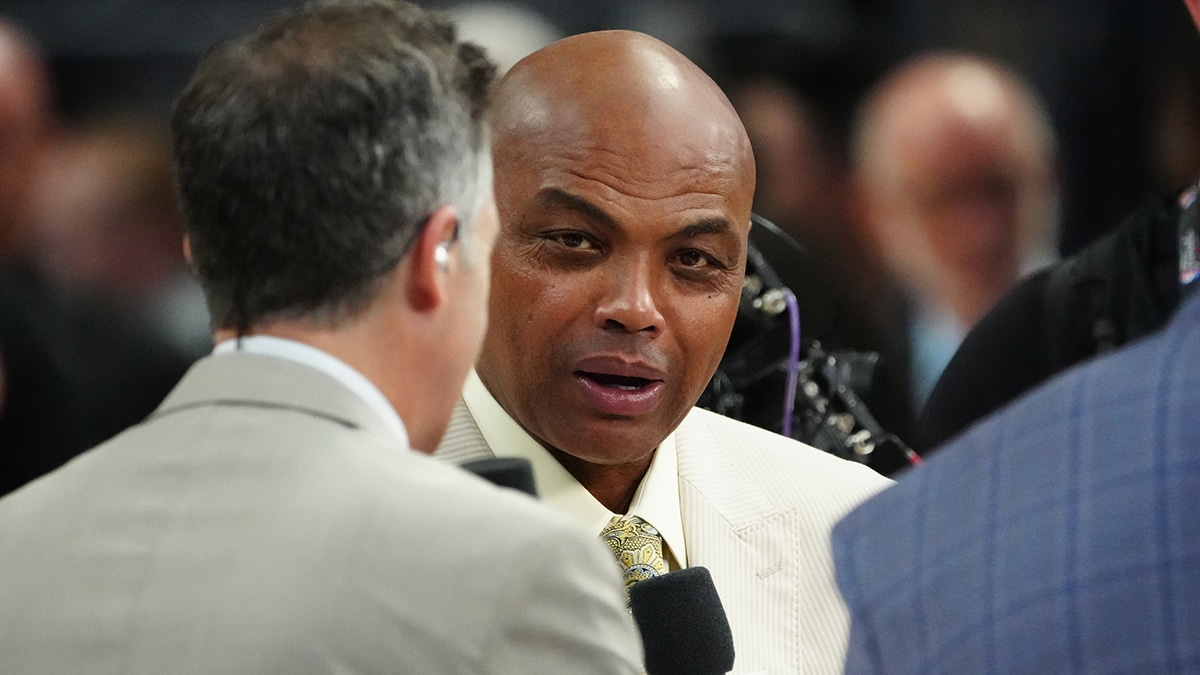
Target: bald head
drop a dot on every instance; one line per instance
(956, 158)
(943, 99)
(615, 91)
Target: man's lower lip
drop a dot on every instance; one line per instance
(623, 402)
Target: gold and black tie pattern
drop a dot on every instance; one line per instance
(637, 546)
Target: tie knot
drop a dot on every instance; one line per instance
(637, 546)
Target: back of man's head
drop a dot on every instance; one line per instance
(310, 151)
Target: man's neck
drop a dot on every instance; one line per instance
(611, 485)
(380, 359)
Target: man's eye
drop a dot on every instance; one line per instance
(694, 259)
(572, 240)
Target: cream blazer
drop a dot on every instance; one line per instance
(757, 512)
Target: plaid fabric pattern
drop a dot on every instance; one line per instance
(1057, 536)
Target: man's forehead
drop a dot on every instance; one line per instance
(607, 117)
(635, 161)
(609, 85)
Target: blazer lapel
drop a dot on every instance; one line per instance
(733, 530)
(463, 440)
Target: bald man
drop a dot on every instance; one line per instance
(623, 182)
(955, 161)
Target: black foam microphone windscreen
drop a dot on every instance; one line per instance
(509, 472)
(683, 624)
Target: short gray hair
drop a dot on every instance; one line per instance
(310, 152)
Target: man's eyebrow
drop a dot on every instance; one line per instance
(556, 198)
(705, 226)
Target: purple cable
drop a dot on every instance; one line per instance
(793, 364)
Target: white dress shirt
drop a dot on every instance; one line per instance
(656, 500)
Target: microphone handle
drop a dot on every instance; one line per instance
(508, 472)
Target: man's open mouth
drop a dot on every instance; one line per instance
(621, 382)
(620, 395)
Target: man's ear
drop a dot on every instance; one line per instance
(429, 259)
(187, 249)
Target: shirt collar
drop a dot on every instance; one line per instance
(656, 500)
(325, 362)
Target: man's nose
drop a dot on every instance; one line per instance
(629, 300)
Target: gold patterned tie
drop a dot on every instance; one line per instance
(637, 546)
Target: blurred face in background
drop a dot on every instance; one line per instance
(958, 170)
(971, 190)
(103, 215)
(24, 128)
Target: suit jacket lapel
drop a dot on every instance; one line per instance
(463, 441)
(732, 529)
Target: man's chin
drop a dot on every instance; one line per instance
(606, 446)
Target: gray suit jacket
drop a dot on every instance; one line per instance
(757, 510)
(263, 520)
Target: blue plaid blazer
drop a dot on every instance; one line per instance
(1060, 535)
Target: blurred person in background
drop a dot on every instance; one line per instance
(105, 225)
(794, 100)
(956, 169)
(1120, 287)
(39, 416)
(1057, 535)
(75, 371)
(27, 124)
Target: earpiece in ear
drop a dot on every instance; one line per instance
(441, 257)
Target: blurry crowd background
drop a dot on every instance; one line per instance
(925, 153)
